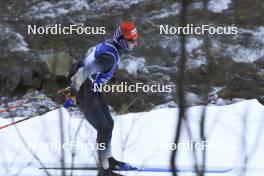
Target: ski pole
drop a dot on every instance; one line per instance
(34, 115)
(10, 108)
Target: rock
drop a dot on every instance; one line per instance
(57, 63)
(261, 99)
(20, 72)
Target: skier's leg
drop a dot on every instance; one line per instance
(113, 163)
(93, 110)
(108, 115)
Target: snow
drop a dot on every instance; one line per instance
(173, 10)
(133, 65)
(192, 99)
(171, 43)
(14, 41)
(243, 54)
(193, 43)
(246, 54)
(259, 34)
(46, 9)
(196, 5)
(141, 138)
(218, 6)
(196, 62)
(27, 107)
(42, 10)
(132, 2)
(112, 3)
(255, 52)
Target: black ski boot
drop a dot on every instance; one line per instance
(118, 165)
(107, 172)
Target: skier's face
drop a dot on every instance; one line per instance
(132, 43)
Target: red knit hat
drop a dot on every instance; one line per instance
(129, 30)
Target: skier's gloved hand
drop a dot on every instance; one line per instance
(70, 101)
(73, 91)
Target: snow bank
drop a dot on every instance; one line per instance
(141, 138)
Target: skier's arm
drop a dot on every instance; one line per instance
(101, 64)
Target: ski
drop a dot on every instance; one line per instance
(147, 169)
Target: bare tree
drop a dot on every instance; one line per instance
(32, 152)
(180, 85)
(62, 137)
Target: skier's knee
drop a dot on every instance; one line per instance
(106, 128)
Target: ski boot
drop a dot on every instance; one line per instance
(118, 165)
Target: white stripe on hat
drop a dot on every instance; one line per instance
(134, 31)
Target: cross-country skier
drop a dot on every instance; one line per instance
(98, 67)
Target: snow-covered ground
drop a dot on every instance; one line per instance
(141, 139)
